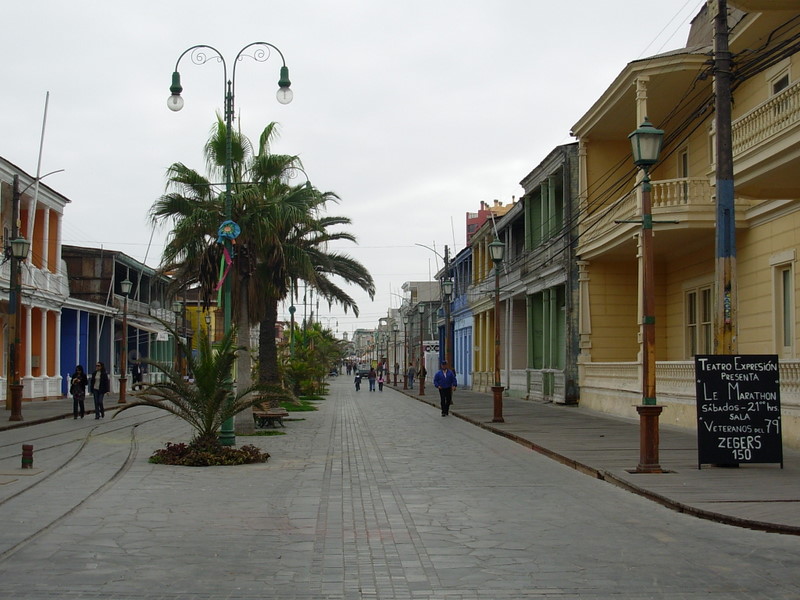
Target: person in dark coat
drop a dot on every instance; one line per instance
(77, 387)
(99, 386)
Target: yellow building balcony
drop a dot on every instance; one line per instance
(766, 147)
(687, 201)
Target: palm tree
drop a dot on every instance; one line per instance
(204, 403)
(283, 241)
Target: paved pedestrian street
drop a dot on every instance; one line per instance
(374, 496)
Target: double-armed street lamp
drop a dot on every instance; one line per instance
(125, 288)
(201, 54)
(646, 145)
(497, 251)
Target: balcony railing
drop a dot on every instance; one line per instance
(667, 196)
(768, 119)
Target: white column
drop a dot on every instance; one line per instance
(28, 340)
(45, 240)
(43, 346)
(58, 344)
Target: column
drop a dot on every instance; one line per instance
(46, 240)
(584, 312)
(27, 345)
(43, 372)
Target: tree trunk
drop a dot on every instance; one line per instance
(268, 350)
(243, 422)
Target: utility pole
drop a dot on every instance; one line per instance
(725, 322)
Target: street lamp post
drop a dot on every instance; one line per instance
(646, 145)
(447, 293)
(421, 311)
(208, 326)
(125, 287)
(497, 250)
(177, 307)
(406, 361)
(198, 55)
(17, 252)
(395, 329)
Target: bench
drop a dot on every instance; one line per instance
(264, 417)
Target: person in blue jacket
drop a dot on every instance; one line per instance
(445, 382)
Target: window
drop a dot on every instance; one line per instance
(699, 335)
(779, 84)
(784, 309)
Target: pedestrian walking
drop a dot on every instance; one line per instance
(137, 374)
(380, 382)
(99, 387)
(372, 376)
(357, 381)
(77, 387)
(411, 373)
(445, 382)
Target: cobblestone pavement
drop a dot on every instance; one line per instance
(374, 496)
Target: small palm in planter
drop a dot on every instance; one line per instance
(205, 403)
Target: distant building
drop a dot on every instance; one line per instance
(476, 220)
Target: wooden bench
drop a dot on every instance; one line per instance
(265, 416)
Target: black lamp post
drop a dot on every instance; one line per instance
(18, 250)
(447, 292)
(497, 250)
(406, 360)
(201, 54)
(421, 311)
(646, 145)
(125, 287)
(176, 308)
(395, 329)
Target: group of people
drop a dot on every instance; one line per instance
(99, 385)
(373, 377)
(444, 380)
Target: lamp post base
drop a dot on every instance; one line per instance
(16, 402)
(421, 386)
(123, 388)
(648, 439)
(497, 402)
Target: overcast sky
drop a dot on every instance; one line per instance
(412, 111)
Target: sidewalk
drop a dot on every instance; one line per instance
(757, 496)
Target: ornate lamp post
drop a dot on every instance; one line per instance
(395, 329)
(292, 310)
(447, 293)
(177, 307)
(198, 55)
(406, 361)
(646, 145)
(125, 287)
(421, 311)
(208, 325)
(18, 250)
(497, 250)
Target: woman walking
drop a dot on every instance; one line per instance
(99, 387)
(77, 387)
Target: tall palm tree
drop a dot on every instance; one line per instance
(284, 238)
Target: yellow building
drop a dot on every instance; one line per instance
(675, 90)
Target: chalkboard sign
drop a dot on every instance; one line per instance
(738, 409)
